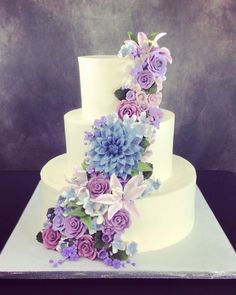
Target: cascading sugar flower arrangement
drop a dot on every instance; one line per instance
(98, 205)
(144, 92)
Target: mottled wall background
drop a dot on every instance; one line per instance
(39, 44)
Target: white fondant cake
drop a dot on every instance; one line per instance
(167, 215)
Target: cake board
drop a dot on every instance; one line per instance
(205, 254)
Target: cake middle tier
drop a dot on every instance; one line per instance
(162, 149)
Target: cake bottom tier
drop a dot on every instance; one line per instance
(166, 216)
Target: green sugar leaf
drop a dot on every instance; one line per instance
(84, 165)
(132, 36)
(121, 255)
(39, 237)
(134, 172)
(144, 143)
(121, 93)
(152, 36)
(72, 204)
(79, 211)
(147, 174)
(152, 89)
(87, 220)
(99, 244)
(50, 211)
(145, 167)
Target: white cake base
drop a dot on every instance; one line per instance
(205, 253)
(166, 216)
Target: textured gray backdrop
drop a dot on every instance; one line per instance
(39, 44)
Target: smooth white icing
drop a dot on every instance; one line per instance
(76, 123)
(166, 216)
(100, 76)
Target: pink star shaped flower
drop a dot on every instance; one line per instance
(122, 197)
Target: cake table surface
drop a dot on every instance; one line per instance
(205, 253)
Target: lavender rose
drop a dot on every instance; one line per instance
(98, 185)
(86, 247)
(145, 79)
(128, 107)
(74, 228)
(108, 229)
(130, 95)
(154, 116)
(120, 221)
(141, 97)
(154, 99)
(144, 107)
(107, 239)
(58, 222)
(156, 64)
(50, 238)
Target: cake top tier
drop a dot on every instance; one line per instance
(100, 76)
(103, 56)
(135, 74)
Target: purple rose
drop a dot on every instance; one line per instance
(141, 97)
(120, 221)
(130, 95)
(107, 239)
(144, 107)
(154, 99)
(50, 238)
(156, 64)
(98, 185)
(58, 210)
(154, 116)
(58, 222)
(74, 228)
(128, 107)
(102, 254)
(145, 79)
(86, 247)
(108, 229)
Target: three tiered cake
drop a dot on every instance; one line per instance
(118, 187)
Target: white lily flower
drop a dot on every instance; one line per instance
(122, 198)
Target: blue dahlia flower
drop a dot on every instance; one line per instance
(115, 148)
